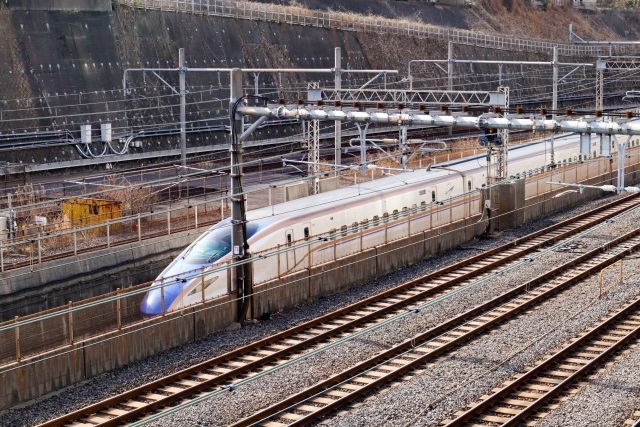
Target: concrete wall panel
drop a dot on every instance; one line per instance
(354, 270)
(399, 254)
(216, 315)
(281, 294)
(40, 375)
(109, 351)
(296, 191)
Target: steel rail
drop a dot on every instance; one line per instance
(557, 372)
(328, 396)
(269, 350)
(633, 421)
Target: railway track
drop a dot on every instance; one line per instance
(328, 396)
(271, 351)
(525, 397)
(634, 421)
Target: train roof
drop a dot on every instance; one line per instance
(433, 176)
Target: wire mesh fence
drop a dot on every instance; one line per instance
(64, 326)
(295, 15)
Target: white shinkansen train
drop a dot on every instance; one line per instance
(382, 209)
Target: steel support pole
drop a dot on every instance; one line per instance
(313, 145)
(554, 102)
(403, 147)
(503, 152)
(183, 114)
(338, 124)
(599, 89)
(450, 75)
(450, 67)
(238, 217)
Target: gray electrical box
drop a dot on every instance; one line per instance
(105, 132)
(85, 134)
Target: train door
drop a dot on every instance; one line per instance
(290, 252)
(304, 253)
(434, 207)
(468, 199)
(449, 214)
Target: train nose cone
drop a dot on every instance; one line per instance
(150, 305)
(152, 302)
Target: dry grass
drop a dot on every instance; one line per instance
(134, 199)
(517, 19)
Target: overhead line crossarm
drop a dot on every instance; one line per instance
(579, 126)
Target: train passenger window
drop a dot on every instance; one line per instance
(332, 234)
(376, 220)
(365, 223)
(306, 233)
(405, 211)
(343, 230)
(422, 192)
(414, 208)
(469, 185)
(289, 239)
(395, 214)
(433, 196)
(385, 217)
(354, 227)
(423, 205)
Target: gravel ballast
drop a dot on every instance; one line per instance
(449, 383)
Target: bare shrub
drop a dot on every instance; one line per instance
(134, 199)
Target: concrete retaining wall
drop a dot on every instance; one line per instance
(65, 5)
(399, 254)
(87, 275)
(55, 370)
(281, 294)
(345, 273)
(546, 204)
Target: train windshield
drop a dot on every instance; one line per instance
(214, 244)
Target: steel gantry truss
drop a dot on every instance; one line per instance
(503, 150)
(313, 144)
(448, 97)
(614, 63)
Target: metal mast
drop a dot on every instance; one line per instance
(503, 152)
(338, 124)
(183, 108)
(313, 144)
(238, 217)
